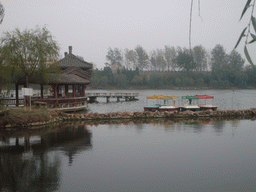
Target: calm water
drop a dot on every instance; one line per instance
(223, 99)
(154, 155)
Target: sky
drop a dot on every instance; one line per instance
(92, 26)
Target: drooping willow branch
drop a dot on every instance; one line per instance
(190, 23)
(190, 26)
(252, 22)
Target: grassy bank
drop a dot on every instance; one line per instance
(22, 116)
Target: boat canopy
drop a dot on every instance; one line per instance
(189, 97)
(204, 96)
(162, 97)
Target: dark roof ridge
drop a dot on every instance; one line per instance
(79, 63)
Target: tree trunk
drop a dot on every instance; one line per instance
(26, 86)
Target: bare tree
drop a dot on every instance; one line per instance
(114, 56)
(1, 13)
(160, 59)
(130, 58)
(170, 55)
(142, 57)
(200, 58)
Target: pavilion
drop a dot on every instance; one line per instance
(68, 88)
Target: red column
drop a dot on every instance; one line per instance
(83, 93)
(66, 90)
(84, 90)
(42, 91)
(55, 96)
(74, 94)
(74, 91)
(17, 94)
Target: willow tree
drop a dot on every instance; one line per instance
(29, 53)
(249, 31)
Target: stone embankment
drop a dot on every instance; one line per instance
(157, 114)
(250, 113)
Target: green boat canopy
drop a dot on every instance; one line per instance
(189, 97)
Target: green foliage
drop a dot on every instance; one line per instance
(177, 82)
(155, 81)
(200, 82)
(137, 80)
(218, 62)
(28, 52)
(108, 73)
(247, 31)
(187, 82)
(251, 75)
(129, 74)
(121, 81)
(185, 60)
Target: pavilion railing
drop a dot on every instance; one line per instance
(11, 102)
(112, 94)
(61, 102)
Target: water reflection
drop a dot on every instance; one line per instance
(138, 153)
(196, 124)
(26, 161)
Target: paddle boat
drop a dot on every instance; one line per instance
(154, 107)
(189, 105)
(167, 107)
(206, 106)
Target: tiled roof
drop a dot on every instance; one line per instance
(67, 79)
(72, 70)
(71, 60)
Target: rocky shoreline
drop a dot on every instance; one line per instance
(146, 115)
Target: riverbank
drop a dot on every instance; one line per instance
(19, 118)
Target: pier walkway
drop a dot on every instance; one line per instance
(127, 96)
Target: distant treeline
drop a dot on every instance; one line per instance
(123, 79)
(174, 68)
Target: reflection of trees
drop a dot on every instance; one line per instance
(34, 174)
(29, 167)
(196, 126)
(235, 123)
(218, 126)
(71, 141)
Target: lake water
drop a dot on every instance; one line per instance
(154, 155)
(223, 99)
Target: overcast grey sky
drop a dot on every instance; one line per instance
(91, 26)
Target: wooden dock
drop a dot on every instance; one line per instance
(126, 96)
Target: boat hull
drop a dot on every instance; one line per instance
(190, 108)
(152, 107)
(169, 108)
(206, 108)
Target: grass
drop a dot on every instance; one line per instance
(22, 116)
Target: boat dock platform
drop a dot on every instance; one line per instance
(126, 96)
